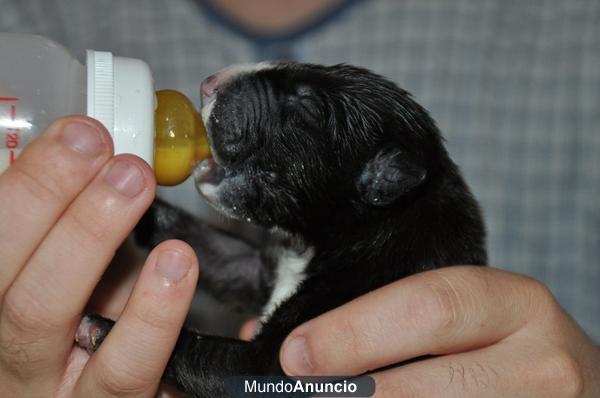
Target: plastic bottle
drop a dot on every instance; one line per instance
(41, 81)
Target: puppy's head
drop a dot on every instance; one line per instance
(297, 143)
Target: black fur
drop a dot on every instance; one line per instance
(342, 161)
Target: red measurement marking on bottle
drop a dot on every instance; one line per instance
(12, 140)
(12, 137)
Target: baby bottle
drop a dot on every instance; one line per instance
(41, 81)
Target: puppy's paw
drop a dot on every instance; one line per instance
(92, 331)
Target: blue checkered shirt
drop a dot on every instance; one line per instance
(514, 86)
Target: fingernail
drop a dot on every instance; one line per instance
(295, 357)
(126, 178)
(173, 266)
(82, 138)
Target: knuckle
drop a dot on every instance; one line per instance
(151, 316)
(331, 350)
(343, 342)
(90, 227)
(22, 333)
(39, 184)
(438, 306)
(23, 315)
(541, 301)
(539, 291)
(16, 360)
(118, 382)
(564, 374)
(361, 342)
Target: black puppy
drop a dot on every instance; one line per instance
(352, 178)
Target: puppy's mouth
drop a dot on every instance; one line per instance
(209, 178)
(209, 172)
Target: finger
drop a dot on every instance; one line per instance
(66, 266)
(502, 370)
(42, 182)
(248, 329)
(436, 312)
(166, 391)
(47, 297)
(134, 355)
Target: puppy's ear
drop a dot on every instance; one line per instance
(391, 174)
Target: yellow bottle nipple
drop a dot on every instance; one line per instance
(180, 138)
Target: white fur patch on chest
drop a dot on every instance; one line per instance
(288, 275)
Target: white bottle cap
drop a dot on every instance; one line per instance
(120, 94)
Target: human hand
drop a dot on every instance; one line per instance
(490, 333)
(66, 205)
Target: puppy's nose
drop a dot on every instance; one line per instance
(209, 86)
